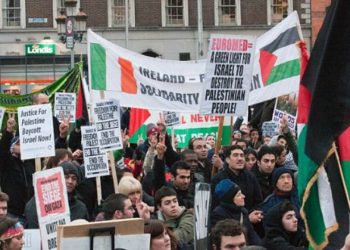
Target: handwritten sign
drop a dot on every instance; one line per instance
(36, 131)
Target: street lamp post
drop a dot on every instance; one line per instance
(71, 28)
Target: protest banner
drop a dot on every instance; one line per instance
(174, 85)
(201, 214)
(106, 116)
(36, 131)
(171, 119)
(2, 114)
(95, 161)
(32, 239)
(286, 105)
(65, 106)
(191, 125)
(52, 205)
(131, 231)
(228, 75)
(140, 81)
(269, 129)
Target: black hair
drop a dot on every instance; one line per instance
(228, 150)
(265, 150)
(227, 227)
(163, 192)
(112, 203)
(179, 165)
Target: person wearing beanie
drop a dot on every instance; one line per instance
(234, 170)
(284, 189)
(11, 234)
(232, 207)
(282, 230)
(77, 208)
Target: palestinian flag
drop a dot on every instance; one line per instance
(277, 72)
(323, 115)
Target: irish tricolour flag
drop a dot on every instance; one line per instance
(143, 82)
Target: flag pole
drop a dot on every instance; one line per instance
(218, 142)
(341, 173)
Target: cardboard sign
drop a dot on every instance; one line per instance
(228, 75)
(286, 105)
(52, 204)
(171, 118)
(106, 116)
(2, 114)
(32, 239)
(36, 131)
(73, 237)
(65, 106)
(95, 161)
(269, 129)
(201, 213)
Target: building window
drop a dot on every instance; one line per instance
(174, 13)
(58, 6)
(11, 13)
(278, 9)
(116, 15)
(227, 12)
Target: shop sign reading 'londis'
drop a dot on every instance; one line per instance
(40, 49)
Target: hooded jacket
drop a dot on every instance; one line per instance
(277, 237)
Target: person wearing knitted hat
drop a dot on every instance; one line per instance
(282, 230)
(11, 234)
(284, 189)
(77, 208)
(231, 206)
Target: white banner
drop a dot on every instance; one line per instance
(106, 116)
(95, 161)
(228, 75)
(65, 106)
(36, 131)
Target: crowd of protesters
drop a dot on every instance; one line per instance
(253, 186)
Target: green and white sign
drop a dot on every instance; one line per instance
(40, 49)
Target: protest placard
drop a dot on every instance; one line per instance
(269, 129)
(36, 131)
(106, 116)
(286, 105)
(32, 239)
(201, 213)
(171, 118)
(2, 114)
(52, 205)
(228, 75)
(65, 105)
(128, 234)
(95, 161)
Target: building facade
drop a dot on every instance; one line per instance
(169, 29)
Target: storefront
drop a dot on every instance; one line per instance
(38, 67)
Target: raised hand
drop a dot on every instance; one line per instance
(11, 123)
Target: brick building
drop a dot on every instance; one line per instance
(165, 28)
(318, 12)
